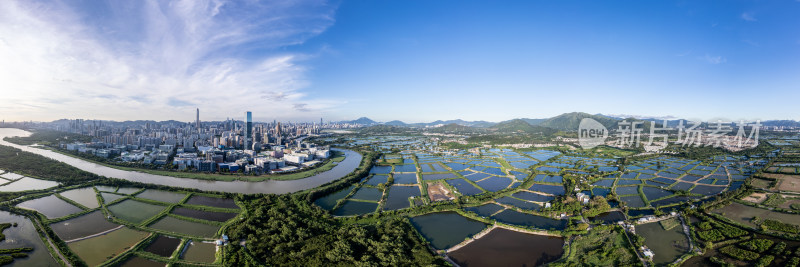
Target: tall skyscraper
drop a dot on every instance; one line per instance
(197, 122)
(248, 129)
(278, 133)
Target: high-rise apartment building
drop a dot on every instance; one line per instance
(248, 129)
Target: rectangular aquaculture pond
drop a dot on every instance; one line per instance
(172, 224)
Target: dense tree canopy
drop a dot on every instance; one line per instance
(286, 230)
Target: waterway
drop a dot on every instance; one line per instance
(348, 165)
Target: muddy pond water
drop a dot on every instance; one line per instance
(199, 252)
(135, 211)
(84, 196)
(175, 225)
(85, 225)
(524, 219)
(163, 246)
(502, 247)
(212, 202)
(51, 206)
(160, 195)
(204, 215)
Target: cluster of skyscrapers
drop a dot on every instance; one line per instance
(227, 144)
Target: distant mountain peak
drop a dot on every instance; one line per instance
(570, 121)
(362, 120)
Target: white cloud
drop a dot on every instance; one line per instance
(156, 60)
(748, 16)
(714, 59)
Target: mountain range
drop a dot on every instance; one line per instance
(566, 121)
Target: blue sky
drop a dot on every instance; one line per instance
(414, 61)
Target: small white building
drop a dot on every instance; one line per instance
(647, 252)
(295, 158)
(583, 198)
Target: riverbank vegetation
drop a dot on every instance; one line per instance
(30, 164)
(48, 137)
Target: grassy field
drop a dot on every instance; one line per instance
(761, 183)
(744, 214)
(786, 182)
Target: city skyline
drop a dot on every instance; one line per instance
(397, 60)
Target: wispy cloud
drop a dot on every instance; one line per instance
(748, 16)
(151, 59)
(714, 59)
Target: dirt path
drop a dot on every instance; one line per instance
(489, 229)
(52, 245)
(94, 235)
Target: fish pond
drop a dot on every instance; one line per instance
(351, 207)
(160, 195)
(464, 187)
(609, 217)
(502, 247)
(85, 225)
(329, 202)
(368, 193)
(494, 183)
(204, 215)
(128, 190)
(84, 196)
(200, 252)
(99, 249)
(667, 245)
(376, 180)
(524, 219)
(51, 206)
(175, 225)
(398, 197)
(405, 178)
(136, 261)
(446, 229)
(163, 246)
(109, 197)
(217, 202)
(135, 211)
(27, 183)
(485, 210)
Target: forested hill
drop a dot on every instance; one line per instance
(571, 121)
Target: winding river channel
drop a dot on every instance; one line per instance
(348, 165)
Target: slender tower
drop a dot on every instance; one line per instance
(248, 129)
(278, 133)
(197, 122)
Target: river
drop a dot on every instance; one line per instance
(348, 165)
